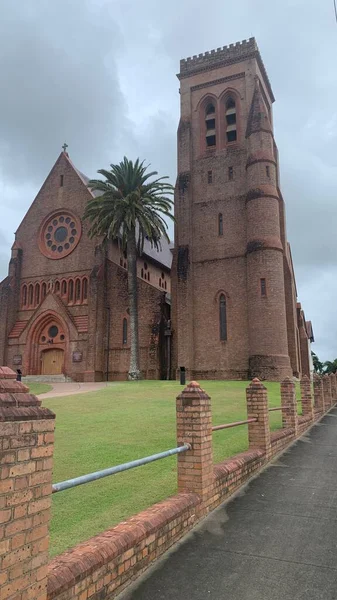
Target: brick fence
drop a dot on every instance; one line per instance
(102, 566)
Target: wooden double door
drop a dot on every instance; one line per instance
(52, 361)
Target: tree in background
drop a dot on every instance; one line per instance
(128, 209)
(318, 365)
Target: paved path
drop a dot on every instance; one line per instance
(69, 389)
(276, 540)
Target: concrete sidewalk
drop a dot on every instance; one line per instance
(69, 389)
(276, 540)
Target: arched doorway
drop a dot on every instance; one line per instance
(52, 361)
(47, 346)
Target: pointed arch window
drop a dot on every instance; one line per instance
(210, 121)
(71, 290)
(77, 291)
(64, 288)
(230, 116)
(24, 295)
(223, 318)
(220, 224)
(44, 291)
(37, 294)
(57, 287)
(85, 289)
(30, 295)
(125, 331)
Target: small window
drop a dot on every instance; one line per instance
(30, 295)
(145, 266)
(263, 287)
(159, 282)
(231, 136)
(223, 318)
(121, 262)
(125, 331)
(85, 288)
(268, 171)
(163, 275)
(209, 177)
(61, 181)
(142, 273)
(64, 288)
(37, 294)
(165, 285)
(230, 173)
(220, 224)
(44, 291)
(77, 290)
(230, 115)
(210, 122)
(57, 287)
(148, 275)
(210, 141)
(24, 295)
(71, 291)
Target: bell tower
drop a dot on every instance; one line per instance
(229, 309)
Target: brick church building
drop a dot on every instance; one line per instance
(235, 314)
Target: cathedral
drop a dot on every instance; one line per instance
(232, 311)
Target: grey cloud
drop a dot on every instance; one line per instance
(101, 75)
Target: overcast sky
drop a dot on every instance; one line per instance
(100, 75)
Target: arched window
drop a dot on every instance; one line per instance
(231, 133)
(44, 291)
(30, 295)
(159, 282)
(24, 296)
(165, 285)
(223, 318)
(71, 290)
(148, 275)
(77, 291)
(64, 288)
(125, 331)
(37, 294)
(220, 224)
(210, 125)
(142, 273)
(57, 287)
(85, 289)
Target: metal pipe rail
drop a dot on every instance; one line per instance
(235, 424)
(275, 408)
(70, 483)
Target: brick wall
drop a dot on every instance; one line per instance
(26, 450)
(104, 565)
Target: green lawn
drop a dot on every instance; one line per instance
(120, 423)
(39, 388)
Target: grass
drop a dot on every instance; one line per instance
(39, 388)
(120, 423)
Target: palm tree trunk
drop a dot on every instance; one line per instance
(134, 370)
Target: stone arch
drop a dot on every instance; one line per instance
(35, 346)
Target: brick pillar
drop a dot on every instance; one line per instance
(318, 393)
(327, 391)
(26, 443)
(333, 388)
(306, 397)
(289, 405)
(194, 426)
(257, 406)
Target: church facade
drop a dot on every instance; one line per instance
(64, 304)
(235, 314)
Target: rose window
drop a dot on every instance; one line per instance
(60, 234)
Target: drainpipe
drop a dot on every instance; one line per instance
(108, 345)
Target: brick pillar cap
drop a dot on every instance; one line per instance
(287, 380)
(256, 383)
(193, 389)
(305, 378)
(326, 376)
(14, 394)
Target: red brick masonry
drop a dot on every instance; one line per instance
(104, 565)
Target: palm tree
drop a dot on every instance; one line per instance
(330, 366)
(318, 365)
(128, 209)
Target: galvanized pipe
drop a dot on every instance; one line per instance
(276, 408)
(235, 424)
(70, 483)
